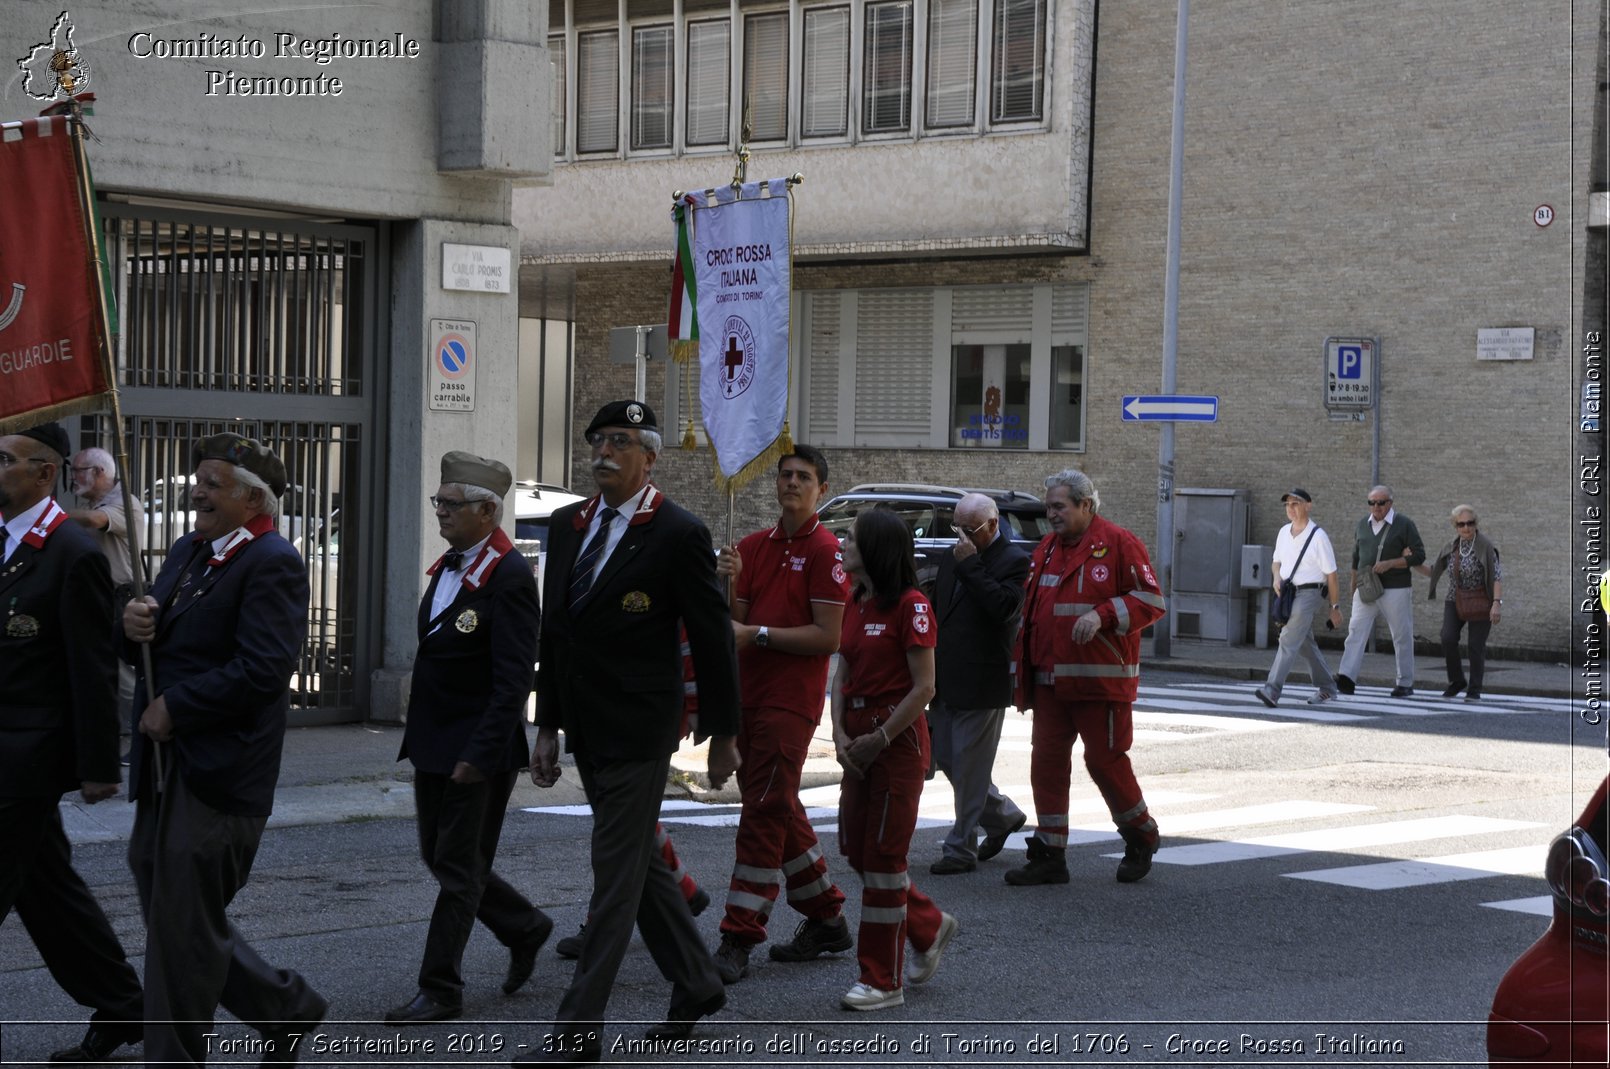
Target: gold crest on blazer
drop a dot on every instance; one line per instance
(636, 601)
(467, 621)
(22, 627)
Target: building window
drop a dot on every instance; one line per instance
(989, 396)
(652, 86)
(825, 92)
(1067, 397)
(886, 69)
(766, 76)
(597, 91)
(1017, 77)
(709, 82)
(556, 53)
(952, 62)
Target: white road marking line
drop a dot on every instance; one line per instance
(1391, 875)
(1335, 840)
(1298, 710)
(1541, 906)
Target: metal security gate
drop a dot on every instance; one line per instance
(269, 328)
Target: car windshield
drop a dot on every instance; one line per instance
(924, 520)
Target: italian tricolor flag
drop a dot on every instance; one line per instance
(682, 321)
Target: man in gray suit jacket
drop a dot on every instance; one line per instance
(627, 569)
(978, 599)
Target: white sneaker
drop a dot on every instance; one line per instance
(922, 964)
(867, 997)
(1321, 697)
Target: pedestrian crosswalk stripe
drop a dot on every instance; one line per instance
(1392, 875)
(1540, 905)
(1297, 710)
(1240, 817)
(1334, 840)
(1370, 699)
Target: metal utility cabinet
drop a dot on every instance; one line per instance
(1208, 599)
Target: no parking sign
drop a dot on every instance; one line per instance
(451, 371)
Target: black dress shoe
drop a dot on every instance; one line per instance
(562, 1049)
(101, 1041)
(678, 1024)
(699, 902)
(423, 1010)
(523, 958)
(952, 866)
(287, 1034)
(1402, 692)
(1344, 684)
(994, 844)
(1453, 689)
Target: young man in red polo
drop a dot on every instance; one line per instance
(787, 605)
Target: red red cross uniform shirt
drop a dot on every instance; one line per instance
(874, 641)
(782, 578)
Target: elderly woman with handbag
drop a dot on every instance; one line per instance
(1475, 582)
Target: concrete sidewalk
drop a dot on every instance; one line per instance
(349, 772)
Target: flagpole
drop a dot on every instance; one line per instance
(92, 237)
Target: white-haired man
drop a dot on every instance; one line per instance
(96, 485)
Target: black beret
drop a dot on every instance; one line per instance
(52, 435)
(625, 414)
(254, 456)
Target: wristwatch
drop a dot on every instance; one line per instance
(763, 637)
(1336, 608)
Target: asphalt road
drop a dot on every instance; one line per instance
(1342, 890)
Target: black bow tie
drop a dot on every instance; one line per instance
(453, 560)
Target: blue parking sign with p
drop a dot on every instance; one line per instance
(1350, 362)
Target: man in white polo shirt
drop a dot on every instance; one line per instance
(1313, 570)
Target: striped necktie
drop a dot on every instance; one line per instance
(581, 578)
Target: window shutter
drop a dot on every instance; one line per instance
(766, 75)
(651, 87)
(1004, 313)
(894, 367)
(709, 67)
(822, 366)
(597, 91)
(825, 98)
(1070, 314)
(886, 69)
(952, 57)
(556, 52)
(1017, 86)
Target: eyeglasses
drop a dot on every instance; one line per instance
(1378, 504)
(1464, 523)
(969, 531)
(618, 440)
(449, 503)
(7, 460)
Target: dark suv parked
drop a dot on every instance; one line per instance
(929, 512)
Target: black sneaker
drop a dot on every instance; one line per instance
(732, 960)
(813, 938)
(1137, 860)
(1344, 684)
(1047, 864)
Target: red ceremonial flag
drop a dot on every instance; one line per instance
(52, 328)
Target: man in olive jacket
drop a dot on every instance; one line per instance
(1387, 543)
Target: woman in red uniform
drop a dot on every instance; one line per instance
(884, 682)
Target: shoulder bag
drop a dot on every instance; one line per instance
(1369, 586)
(1286, 600)
(1471, 606)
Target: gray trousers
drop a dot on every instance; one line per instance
(631, 884)
(1297, 640)
(1397, 605)
(189, 861)
(964, 744)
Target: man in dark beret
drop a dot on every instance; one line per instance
(625, 568)
(466, 733)
(225, 619)
(58, 733)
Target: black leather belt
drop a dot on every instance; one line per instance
(1310, 586)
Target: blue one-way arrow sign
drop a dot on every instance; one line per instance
(1174, 407)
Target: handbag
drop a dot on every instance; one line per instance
(1286, 600)
(1471, 606)
(1368, 586)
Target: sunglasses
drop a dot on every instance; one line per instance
(1464, 523)
(1378, 504)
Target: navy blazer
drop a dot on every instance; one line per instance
(472, 674)
(979, 605)
(223, 655)
(611, 675)
(58, 667)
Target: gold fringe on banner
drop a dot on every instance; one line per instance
(765, 461)
(78, 406)
(684, 349)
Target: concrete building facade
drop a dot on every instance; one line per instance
(1374, 171)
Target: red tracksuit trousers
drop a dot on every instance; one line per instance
(1108, 731)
